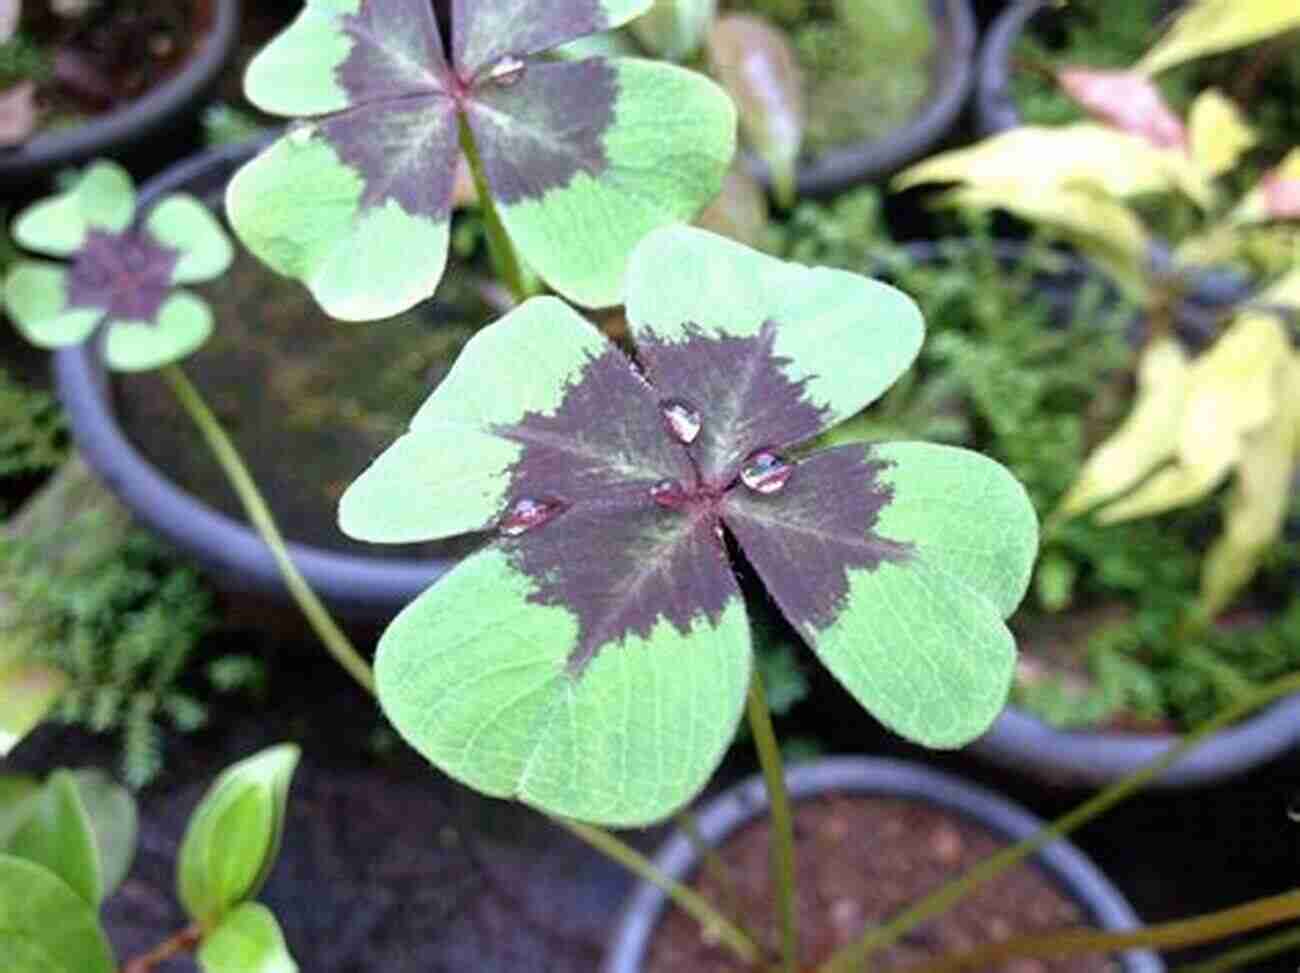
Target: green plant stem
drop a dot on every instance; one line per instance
(716, 868)
(687, 899)
(782, 823)
(505, 261)
(1235, 959)
(854, 957)
(259, 514)
(1168, 935)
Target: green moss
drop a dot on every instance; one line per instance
(1035, 378)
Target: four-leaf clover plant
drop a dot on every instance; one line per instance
(124, 273)
(593, 660)
(580, 159)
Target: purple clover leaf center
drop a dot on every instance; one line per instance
(128, 274)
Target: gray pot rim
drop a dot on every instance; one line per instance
(355, 585)
(114, 131)
(995, 104)
(1069, 868)
(863, 162)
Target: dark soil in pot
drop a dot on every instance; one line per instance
(99, 56)
(309, 401)
(861, 861)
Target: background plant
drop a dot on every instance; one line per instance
(67, 843)
(573, 162)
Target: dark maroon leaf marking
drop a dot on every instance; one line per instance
(538, 133)
(485, 31)
(745, 398)
(128, 275)
(405, 150)
(536, 124)
(396, 52)
(805, 539)
(615, 558)
(639, 538)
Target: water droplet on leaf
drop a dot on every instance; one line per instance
(668, 493)
(683, 419)
(507, 72)
(527, 514)
(765, 472)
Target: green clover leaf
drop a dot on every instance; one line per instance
(583, 158)
(124, 273)
(593, 661)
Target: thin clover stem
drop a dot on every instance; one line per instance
(1167, 935)
(259, 514)
(686, 899)
(716, 868)
(1236, 959)
(854, 956)
(505, 261)
(782, 823)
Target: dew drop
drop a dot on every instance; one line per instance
(683, 419)
(507, 72)
(765, 472)
(668, 493)
(527, 514)
(1293, 809)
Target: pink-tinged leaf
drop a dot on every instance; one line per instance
(10, 11)
(17, 114)
(1127, 100)
(1281, 195)
(486, 33)
(740, 211)
(756, 65)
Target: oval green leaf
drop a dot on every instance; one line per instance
(57, 834)
(234, 834)
(247, 940)
(45, 927)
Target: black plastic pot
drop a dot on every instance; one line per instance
(1074, 874)
(1021, 741)
(864, 162)
(995, 103)
(357, 586)
(155, 114)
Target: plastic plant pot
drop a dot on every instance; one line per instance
(140, 121)
(871, 161)
(1072, 873)
(362, 587)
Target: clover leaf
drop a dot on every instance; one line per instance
(582, 158)
(123, 274)
(594, 659)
